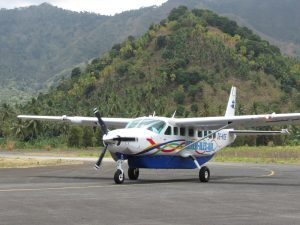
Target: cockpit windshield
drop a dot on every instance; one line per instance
(151, 124)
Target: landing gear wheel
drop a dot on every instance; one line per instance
(204, 174)
(119, 176)
(133, 173)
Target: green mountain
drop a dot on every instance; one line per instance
(40, 44)
(184, 63)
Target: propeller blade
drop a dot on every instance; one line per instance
(100, 121)
(98, 163)
(104, 131)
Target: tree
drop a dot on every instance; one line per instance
(176, 13)
(88, 137)
(161, 42)
(33, 128)
(75, 136)
(76, 72)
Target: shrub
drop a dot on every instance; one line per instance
(75, 136)
(75, 73)
(88, 137)
(161, 42)
(179, 97)
(176, 13)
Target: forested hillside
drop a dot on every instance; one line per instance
(187, 63)
(277, 19)
(40, 44)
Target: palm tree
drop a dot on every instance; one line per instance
(33, 128)
(19, 129)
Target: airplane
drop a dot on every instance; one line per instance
(170, 142)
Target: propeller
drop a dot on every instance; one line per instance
(104, 131)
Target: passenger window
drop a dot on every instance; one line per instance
(175, 130)
(191, 132)
(209, 133)
(205, 133)
(200, 134)
(168, 131)
(182, 131)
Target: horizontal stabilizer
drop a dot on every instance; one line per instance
(258, 132)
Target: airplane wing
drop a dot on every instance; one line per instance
(84, 121)
(238, 121)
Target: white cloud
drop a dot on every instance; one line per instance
(106, 7)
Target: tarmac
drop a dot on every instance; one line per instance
(77, 194)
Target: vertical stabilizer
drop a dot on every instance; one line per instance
(231, 103)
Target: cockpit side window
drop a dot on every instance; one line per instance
(157, 126)
(168, 131)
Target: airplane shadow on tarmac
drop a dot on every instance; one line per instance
(234, 180)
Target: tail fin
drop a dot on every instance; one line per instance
(231, 103)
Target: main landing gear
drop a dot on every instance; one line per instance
(119, 177)
(204, 173)
(133, 173)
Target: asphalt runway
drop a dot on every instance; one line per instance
(77, 194)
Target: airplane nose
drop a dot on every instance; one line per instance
(109, 139)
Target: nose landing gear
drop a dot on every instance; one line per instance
(119, 176)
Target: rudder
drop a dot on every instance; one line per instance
(230, 110)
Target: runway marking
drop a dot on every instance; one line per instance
(79, 187)
(54, 188)
(272, 173)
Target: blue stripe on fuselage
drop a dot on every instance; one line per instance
(165, 162)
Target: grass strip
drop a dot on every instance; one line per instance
(260, 154)
(27, 162)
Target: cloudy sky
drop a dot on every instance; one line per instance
(105, 7)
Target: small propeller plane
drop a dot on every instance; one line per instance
(172, 143)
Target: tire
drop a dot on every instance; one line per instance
(119, 177)
(204, 174)
(133, 173)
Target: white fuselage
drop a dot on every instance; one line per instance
(169, 140)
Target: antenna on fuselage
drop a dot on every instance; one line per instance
(173, 116)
